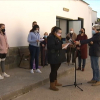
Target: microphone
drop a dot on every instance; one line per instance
(70, 40)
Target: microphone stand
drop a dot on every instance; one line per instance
(75, 83)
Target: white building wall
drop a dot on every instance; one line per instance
(18, 17)
(94, 16)
(90, 20)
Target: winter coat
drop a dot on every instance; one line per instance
(83, 47)
(55, 53)
(94, 49)
(74, 36)
(3, 44)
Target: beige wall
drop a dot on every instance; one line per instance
(19, 15)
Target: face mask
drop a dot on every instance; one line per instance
(93, 32)
(58, 34)
(45, 36)
(71, 31)
(81, 32)
(37, 31)
(3, 30)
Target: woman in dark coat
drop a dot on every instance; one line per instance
(43, 47)
(82, 50)
(55, 55)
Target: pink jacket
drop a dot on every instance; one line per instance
(3, 44)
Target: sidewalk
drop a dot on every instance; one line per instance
(22, 81)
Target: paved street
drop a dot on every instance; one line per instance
(66, 93)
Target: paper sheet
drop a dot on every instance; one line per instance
(41, 40)
(66, 45)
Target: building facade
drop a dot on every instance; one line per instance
(18, 16)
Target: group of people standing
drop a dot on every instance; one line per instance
(52, 46)
(36, 43)
(55, 46)
(81, 49)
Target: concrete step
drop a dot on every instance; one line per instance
(22, 81)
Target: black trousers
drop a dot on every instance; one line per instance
(44, 57)
(53, 73)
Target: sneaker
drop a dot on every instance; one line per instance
(92, 81)
(1, 77)
(96, 84)
(32, 71)
(5, 75)
(38, 71)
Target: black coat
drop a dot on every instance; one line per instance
(55, 53)
(43, 42)
(94, 49)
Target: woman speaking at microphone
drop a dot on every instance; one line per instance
(55, 55)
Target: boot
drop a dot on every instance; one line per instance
(52, 86)
(79, 68)
(92, 81)
(57, 84)
(82, 69)
(96, 84)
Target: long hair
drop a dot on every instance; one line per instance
(83, 29)
(55, 29)
(34, 28)
(1, 24)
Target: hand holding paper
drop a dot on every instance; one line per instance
(41, 39)
(65, 45)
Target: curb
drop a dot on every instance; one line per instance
(26, 89)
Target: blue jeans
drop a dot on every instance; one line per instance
(95, 67)
(79, 62)
(34, 54)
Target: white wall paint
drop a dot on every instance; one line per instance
(94, 16)
(18, 16)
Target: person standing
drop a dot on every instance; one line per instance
(94, 53)
(82, 50)
(71, 48)
(3, 50)
(34, 23)
(55, 55)
(43, 46)
(93, 31)
(34, 40)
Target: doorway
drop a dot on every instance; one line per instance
(66, 24)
